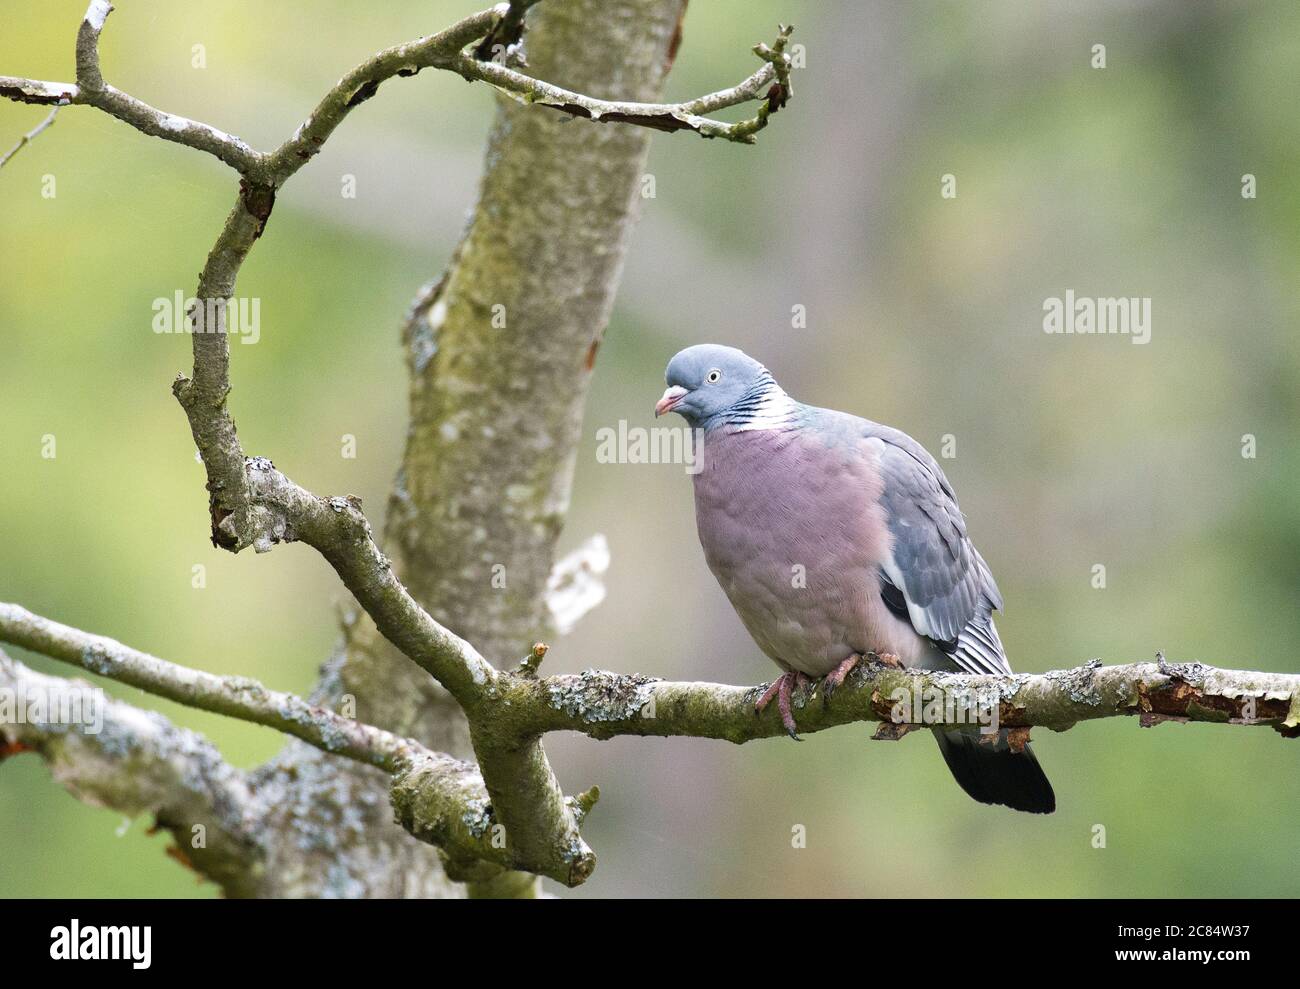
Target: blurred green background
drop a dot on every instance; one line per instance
(923, 312)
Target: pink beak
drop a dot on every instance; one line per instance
(671, 397)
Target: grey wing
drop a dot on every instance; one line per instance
(936, 579)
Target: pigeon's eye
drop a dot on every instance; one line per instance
(713, 376)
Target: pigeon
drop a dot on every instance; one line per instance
(834, 537)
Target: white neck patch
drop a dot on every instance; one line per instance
(775, 410)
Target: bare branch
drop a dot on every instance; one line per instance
(524, 793)
(442, 801)
(37, 92)
(502, 24)
(238, 697)
(138, 114)
(446, 802)
(657, 116)
(363, 82)
(251, 503)
(266, 169)
(602, 705)
(91, 90)
(137, 762)
(438, 799)
(88, 74)
(337, 529)
(170, 127)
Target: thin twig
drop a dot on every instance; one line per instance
(28, 137)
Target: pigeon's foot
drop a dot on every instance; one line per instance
(835, 677)
(888, 659)
(781, 689)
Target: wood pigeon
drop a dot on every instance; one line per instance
(834, 536)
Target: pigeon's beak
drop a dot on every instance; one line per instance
(671, 397)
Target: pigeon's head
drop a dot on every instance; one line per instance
(709, 382)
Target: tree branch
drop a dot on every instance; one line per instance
(238, 697)
(92, 24)
(137, 762)
(657, 116)
(445, 802)
(603, 705)
(438, 799)
(443, 50)
(363, 82)
(37, 92)
(339, 531)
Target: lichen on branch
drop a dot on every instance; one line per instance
(451, 804)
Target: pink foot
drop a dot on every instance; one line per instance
(835, 677)
(888, 659)
(781, 689)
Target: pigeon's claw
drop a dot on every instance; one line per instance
(889, 659)
(781, 688)
(835, 677)
(768, 694)
(788, 682)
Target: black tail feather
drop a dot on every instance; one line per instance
(993, 773)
